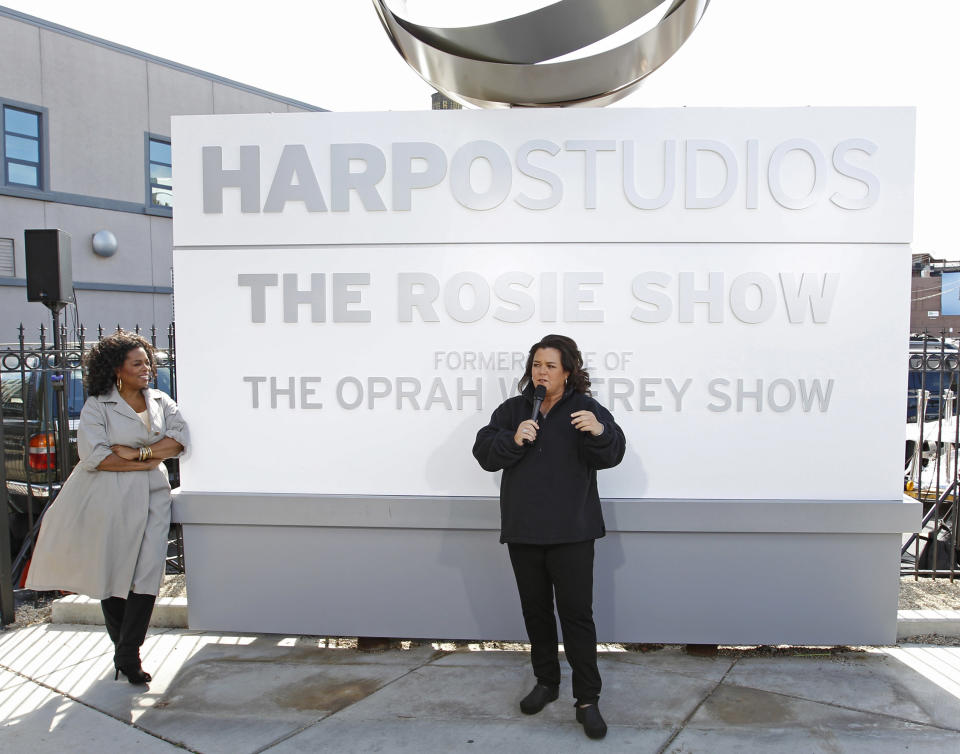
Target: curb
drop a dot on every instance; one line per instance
(171, 612)
(921, 622)
(168, 612)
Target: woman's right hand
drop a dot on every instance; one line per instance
(118, 462)
(126, 452)
(527, 431)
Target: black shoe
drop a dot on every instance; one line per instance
(591, 720)
(537, 699)
(134, 673)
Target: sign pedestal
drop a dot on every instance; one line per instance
(670, 571)
(738, 280)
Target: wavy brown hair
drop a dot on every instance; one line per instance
(107, 355)
(570, 359)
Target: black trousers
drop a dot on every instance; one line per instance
(567, 571)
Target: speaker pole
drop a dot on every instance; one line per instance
(50, 281)
(60, 382)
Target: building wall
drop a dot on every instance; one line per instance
(924, 299)
(100, 101)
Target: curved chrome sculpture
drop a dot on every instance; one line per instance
(502, 64)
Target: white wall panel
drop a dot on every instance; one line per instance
(588, 201)
(392, 407)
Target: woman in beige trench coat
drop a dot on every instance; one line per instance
(105, 535)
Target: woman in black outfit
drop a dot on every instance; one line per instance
(550, 514)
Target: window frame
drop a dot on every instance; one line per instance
(151, 206)
(42, 164)
(12, 248)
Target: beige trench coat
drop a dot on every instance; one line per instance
(106, 533)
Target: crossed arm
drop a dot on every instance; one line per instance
(125, 458)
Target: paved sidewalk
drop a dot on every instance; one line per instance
(241, 694)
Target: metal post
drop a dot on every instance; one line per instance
(60, 391)
(7, 608)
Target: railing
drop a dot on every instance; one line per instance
(32, 373)
(932, 457)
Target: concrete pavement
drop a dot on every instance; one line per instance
(265, 693)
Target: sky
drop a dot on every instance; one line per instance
(335, 54)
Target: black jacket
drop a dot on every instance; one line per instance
(548, 493)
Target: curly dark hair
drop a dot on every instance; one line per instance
(108, 355)
(570, 359)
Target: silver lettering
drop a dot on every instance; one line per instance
(714, 388)
(811, 295)
(590, 148)
(461, 175)
(815, 393)
(405, 179)
(692, 198)
(775, 173)
(216, 179)
(669, 176)
(294, 163)
(258, 294)
(307, 390)
(343, 296)
(678, 394)
(276, 392)
(712, 296)
(255, 383)
(849, 170)
(315, 296)
(574, 295)
(364, 182)
(738, 297)
(661, 303)
(503, 288)
(540, 174)
(417, 290)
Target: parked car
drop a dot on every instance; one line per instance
(31, 462)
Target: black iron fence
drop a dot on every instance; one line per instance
(932, 455)
(41, 394)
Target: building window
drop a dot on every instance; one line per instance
(7, 268)
(440, 101)
(160, 172)
(21, 147)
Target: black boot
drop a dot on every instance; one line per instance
(136, 619)
(591, 720)
(537, 699)
(113, 609)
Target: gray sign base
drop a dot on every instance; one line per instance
(671, 571)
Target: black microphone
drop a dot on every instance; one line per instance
(538, 395)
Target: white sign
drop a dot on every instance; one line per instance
(766, 175)
(356, 294)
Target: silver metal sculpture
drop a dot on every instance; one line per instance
(504, 63)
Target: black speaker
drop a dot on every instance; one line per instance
(49, 268)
